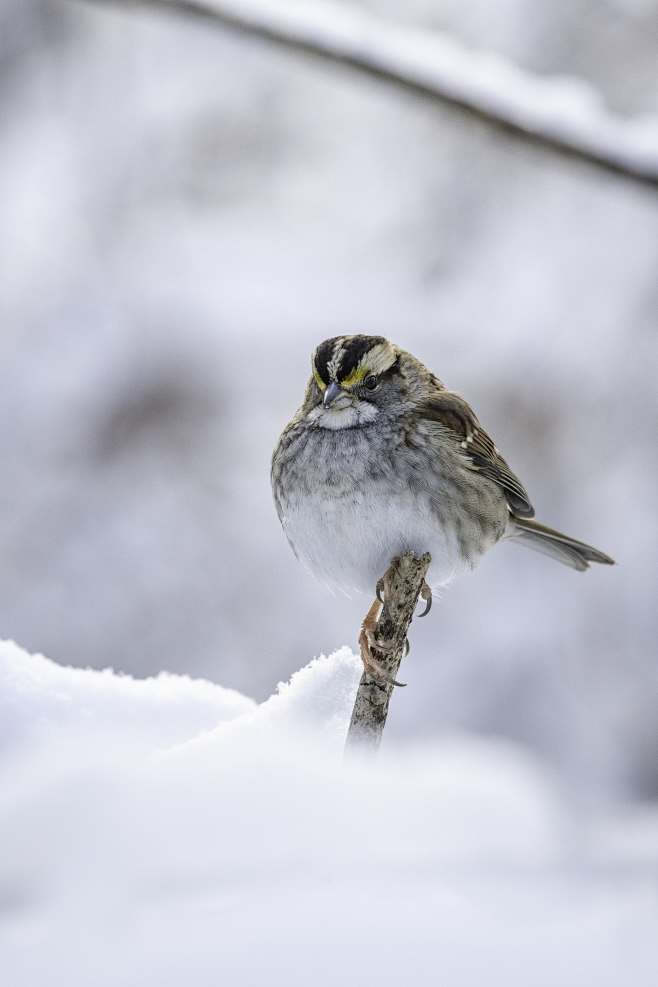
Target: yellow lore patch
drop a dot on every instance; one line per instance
(355, 377)
(318, 379)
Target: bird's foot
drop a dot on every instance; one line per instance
(369, 642)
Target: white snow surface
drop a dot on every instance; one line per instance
(168, 832)
(45, 702)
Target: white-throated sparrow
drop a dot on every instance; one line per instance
(381, 459)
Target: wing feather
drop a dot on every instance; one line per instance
(459, 420)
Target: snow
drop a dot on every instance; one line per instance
(565, 110)
(42, 700)
(229, 842)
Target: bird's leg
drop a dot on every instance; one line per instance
(426, 594)
(368, 641)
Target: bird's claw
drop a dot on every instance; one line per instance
(369, 641)
(379, 590)
(380, 675)
(426, 594)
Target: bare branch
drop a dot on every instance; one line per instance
(565, 115)
(402, 585)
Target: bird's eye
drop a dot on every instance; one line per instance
(370, 382)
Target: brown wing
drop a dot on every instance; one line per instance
(459, 419)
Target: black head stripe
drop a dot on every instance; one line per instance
(354, 349)
(323, 355)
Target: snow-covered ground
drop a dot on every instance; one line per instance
(168, 831)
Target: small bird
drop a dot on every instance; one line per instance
(382, 459)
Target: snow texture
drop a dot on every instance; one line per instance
(229, 843)
(566, 111)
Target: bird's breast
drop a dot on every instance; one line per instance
(349, 508)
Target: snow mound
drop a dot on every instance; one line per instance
(169, 831)
(42, 700)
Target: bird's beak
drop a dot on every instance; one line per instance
(332, 392)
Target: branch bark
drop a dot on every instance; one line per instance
(564, 115)
(402, 586)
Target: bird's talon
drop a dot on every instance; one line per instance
(378, 672)
(379, 590)
(426, 594)
(368, 641)
(381, 676)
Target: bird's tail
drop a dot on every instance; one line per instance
(567, 550)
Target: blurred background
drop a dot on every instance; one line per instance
(185, 212)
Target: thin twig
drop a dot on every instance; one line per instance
(402, 585)
(565, 115)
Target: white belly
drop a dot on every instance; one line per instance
(349, 542)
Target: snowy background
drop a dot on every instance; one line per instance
(184, 214)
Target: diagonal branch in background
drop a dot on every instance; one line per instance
(560, 113)
(402, 585)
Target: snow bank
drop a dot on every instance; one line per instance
(229, 843)
(40, 700)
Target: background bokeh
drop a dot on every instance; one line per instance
(184, 214)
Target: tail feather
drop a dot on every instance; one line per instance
(567, 550)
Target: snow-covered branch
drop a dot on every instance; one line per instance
(561, 113)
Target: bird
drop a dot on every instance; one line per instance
(382, 459)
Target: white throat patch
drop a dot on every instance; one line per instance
(361, 413)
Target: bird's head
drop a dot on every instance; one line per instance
(353, 379)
